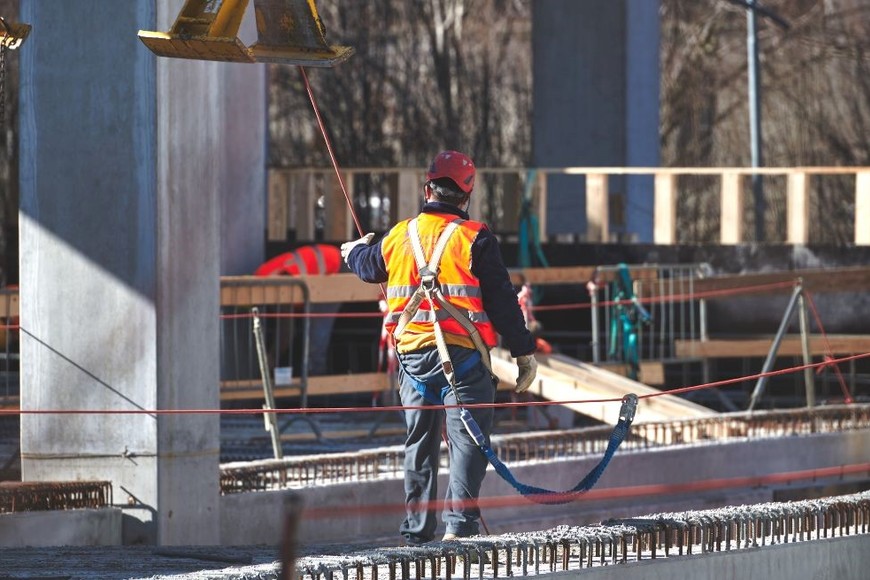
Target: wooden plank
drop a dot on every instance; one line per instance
(862, 208)
(759, 347)
(317, 386)
(731, 215)
(597, 208)
(651, 372)
(798, 209)
(562, 378)
(335, 209)
(409, 195)
(255, 290)
(9, 304)
(851, 279)
(277, 206)
(579, 274)
(541, 197)
(665, 209)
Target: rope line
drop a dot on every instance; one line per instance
(393, 408)
(829, 352)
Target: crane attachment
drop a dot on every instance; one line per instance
(288, 32)
(204, 30)
(12, 34)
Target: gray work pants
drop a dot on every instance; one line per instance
(423, 442)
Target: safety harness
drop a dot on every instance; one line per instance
(430, 291)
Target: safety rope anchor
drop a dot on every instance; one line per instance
(629, 408)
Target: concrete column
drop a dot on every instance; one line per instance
(126, 159)
(596, 101)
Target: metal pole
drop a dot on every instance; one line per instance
(270, 419)
(809, 379)
(755, 116)
(771, 355)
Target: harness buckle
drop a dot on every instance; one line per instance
(428, 279)
(629, 408)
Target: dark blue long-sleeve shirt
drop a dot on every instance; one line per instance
(499, 297)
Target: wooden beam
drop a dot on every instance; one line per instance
(541, 197)
(409, 194)
(651, 372)
(317, 386)
(278, 202)
(760, 346)
(563, 379)
(256, 290)
(852, 279)
(665, 209)
(798, 209)
(597, 208)
(862, 208)
(731, 215)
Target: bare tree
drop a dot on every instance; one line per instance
(816, 104)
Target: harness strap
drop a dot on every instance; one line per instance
(546, 496)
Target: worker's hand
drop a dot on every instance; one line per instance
(528, 367)
(348, 246)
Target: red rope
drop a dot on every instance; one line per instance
(829, 352)
(329, 149)
(332, 157)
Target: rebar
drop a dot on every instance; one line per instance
(613, 542)
(328, 469)
(47, 496)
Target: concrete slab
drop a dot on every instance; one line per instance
(84, 527)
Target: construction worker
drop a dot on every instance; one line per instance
(471, 277)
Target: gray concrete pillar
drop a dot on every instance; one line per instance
(125, 161)
(596, 99)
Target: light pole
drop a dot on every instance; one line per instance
(753, 9)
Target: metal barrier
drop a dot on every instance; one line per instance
(9, 345)
(657, 303)
(278, 301)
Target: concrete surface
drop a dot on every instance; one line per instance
(82, 527)
(842, 558)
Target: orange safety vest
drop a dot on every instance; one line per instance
(459, 286)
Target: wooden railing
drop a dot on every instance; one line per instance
(296, 195)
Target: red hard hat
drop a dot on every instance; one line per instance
(455, 165)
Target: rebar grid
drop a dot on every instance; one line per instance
(305, 471)
(564, 548)
(49, 496)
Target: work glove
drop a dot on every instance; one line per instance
(348, 246)
(528, 368)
